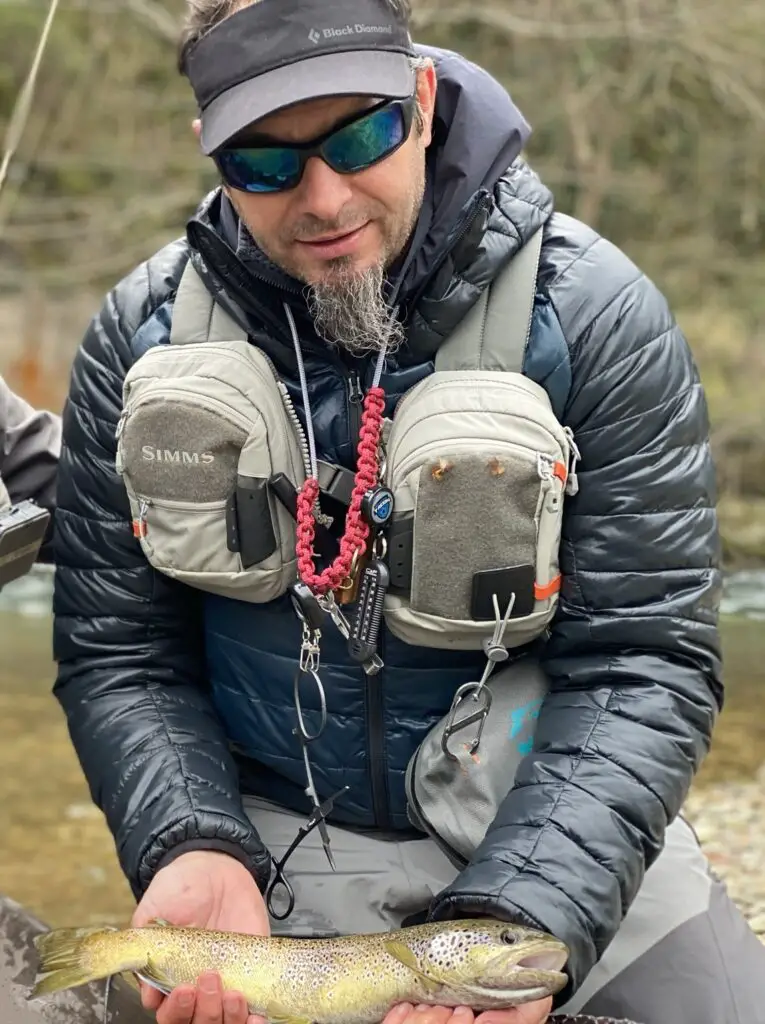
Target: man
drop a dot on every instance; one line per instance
(179, 702)
(30, 444)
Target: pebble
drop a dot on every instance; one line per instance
(728, 820)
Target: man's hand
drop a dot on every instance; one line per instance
(203, 889)
(528, 1013)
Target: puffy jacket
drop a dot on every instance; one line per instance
(177, 703)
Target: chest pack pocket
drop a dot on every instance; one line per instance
(479, 466)
(205, 424)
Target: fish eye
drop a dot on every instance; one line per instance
(509, 938)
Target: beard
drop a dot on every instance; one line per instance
(348, 309)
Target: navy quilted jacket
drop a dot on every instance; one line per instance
(177, 703)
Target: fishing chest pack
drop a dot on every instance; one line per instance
(478, 465)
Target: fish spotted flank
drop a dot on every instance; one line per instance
(354, 979)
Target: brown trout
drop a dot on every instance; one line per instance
(355, 979)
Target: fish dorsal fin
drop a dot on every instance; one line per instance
(401, 952)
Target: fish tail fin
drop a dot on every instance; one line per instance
(70, 957)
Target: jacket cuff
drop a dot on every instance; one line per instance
(226, 836)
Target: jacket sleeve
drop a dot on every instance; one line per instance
(126, 638)
(633, 658)
(30, 443)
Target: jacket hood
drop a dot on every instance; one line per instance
(478, 135)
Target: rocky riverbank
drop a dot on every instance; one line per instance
(729, 818)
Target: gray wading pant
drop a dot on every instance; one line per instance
(683, 955)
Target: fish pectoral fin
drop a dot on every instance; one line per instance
(401, 952)
(159, 922)
(280, 1018)
(155, 977)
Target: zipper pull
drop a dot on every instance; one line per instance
(544, 466)
(355, 393)
(355, 401)
(572, 482)
(139, 523)
(121, 424)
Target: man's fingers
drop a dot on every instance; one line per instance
(209, 1006)
(235, 1009)
(397, 1015)
(527, 1013)
(424, 1014)
(178, 1007)
(405, 1013)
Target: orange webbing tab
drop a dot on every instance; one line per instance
(560, 471)
(139, 528)
(541, 593)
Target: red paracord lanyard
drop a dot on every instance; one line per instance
(356, 529)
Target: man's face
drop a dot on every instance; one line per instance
(333, 222)
(339, 233)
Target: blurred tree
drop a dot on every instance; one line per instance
(648, 118)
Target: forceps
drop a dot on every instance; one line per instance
(317, 817)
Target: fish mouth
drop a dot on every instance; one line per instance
(533, 976)
(551, 960)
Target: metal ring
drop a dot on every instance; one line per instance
(280, 881)
(301, 730)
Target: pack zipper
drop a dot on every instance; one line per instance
(289, 406)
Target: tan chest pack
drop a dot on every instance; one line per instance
(477, 461)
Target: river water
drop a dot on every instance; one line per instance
(56, 855)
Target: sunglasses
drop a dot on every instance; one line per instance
(357, 144)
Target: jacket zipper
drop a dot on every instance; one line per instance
(378, 774)
(355, 400)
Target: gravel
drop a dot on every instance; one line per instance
(729, 819)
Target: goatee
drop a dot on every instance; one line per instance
(349, 310)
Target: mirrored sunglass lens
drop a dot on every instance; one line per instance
(259, 170)
(366, 141)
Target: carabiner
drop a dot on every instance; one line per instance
(477, 691)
